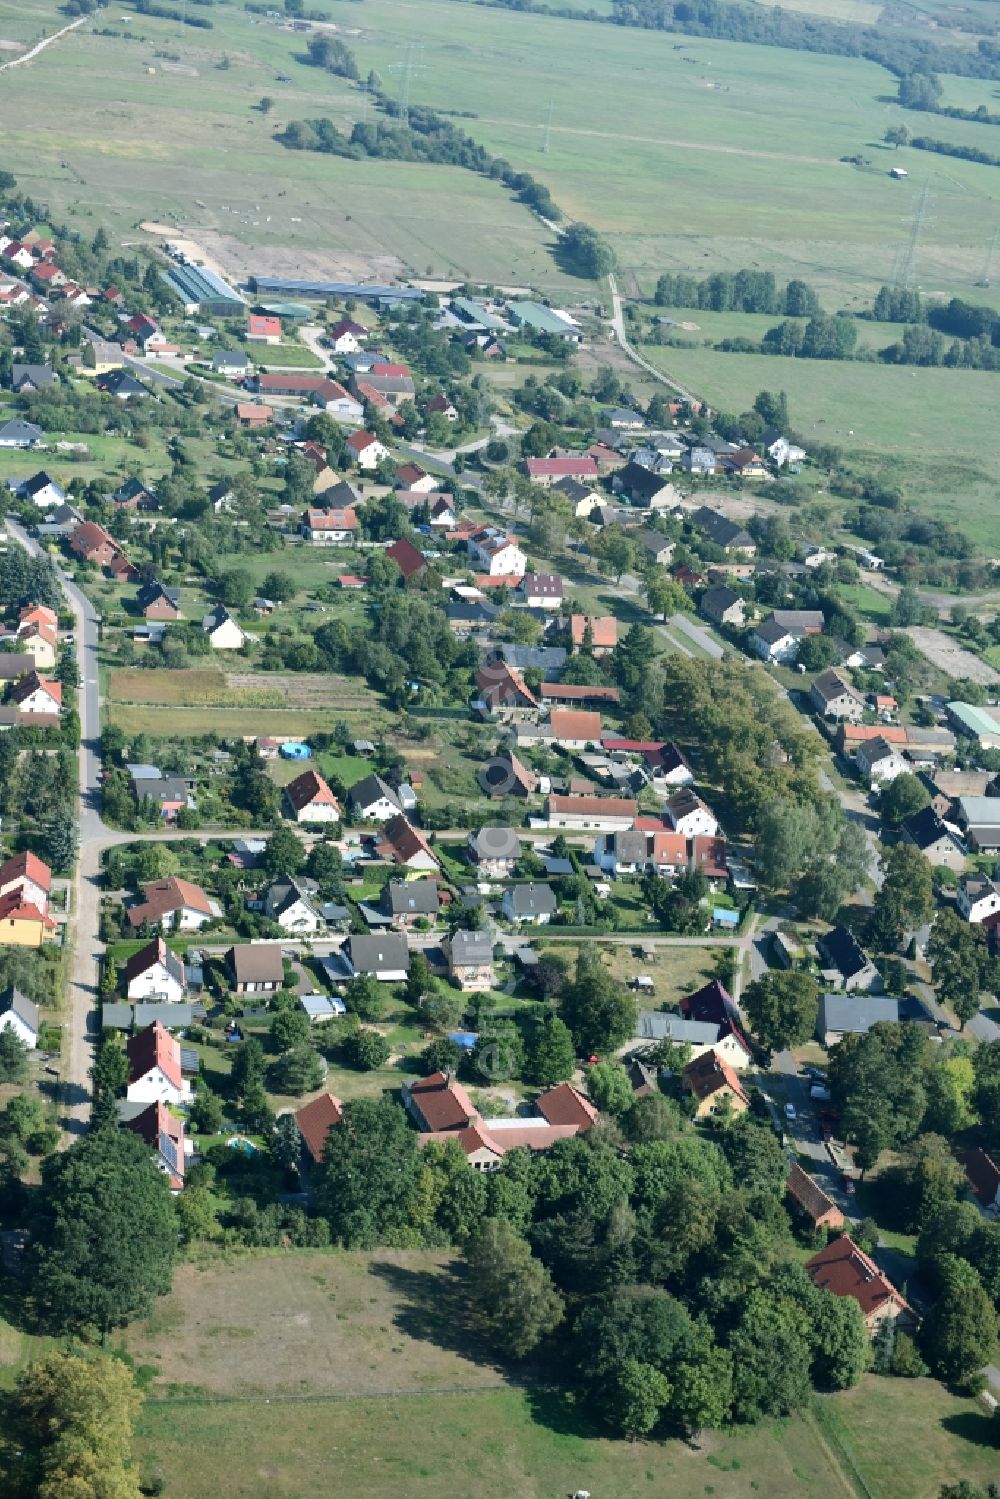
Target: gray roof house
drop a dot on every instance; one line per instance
(373, 799)
(656, 546)
(979, 816)
(19, 1015)
(854, 1014)
(494, 850)
(530, 903)
(385, 956)
(20, 434)
(834, 697)
(405, 901)
(642, 488)
(722, 531)
(845, 963)
(31, 377)
(722, 606)
(926, 831)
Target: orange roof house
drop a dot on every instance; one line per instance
(711, 1079)
(843, 1268)
(315, 1121)
(603, 628)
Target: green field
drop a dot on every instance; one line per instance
(270, 1370)
(925, 430)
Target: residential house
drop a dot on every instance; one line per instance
(20, 1016)
(121, 385)
(597, 633)
(373, 800)
(844, 962)
(574, 730)
(347, 336)
(645, 488)
(309, 799)
(263, 329)
(42, 490)
(529, 904)
(979, 819)
(622, 419)
(717, 528)
(854, 1014)
(978, 898)
(20, 434)
(477, 615)
(35, 694)
(714, 1086)
(609, 814)
(494, 851)
(880, 762)
(366, 450)
(718, 1036)
(775, 643)
(170, 793)
(154, 1067)
(504, 775)
(253, 415)
(410, 562)
(780, 450)
(145, 330)
(336, 401)
(846, 1270)
(329, 527)
(15, 665)
(541, 590)
(408, 902)
(255, 967)
(712, 1002)
(583, 497)
(744, 464)
(832, 696)
(690, 815)
(154, 601)
(384, 956)
(470, 960)
(155, 973)
(412, 477)
(315, 1120)
(666, 766)
(232, 363)
(983, 1175)
(174, 905)
(935, 839)
(290, 902)
(723, 607)
(224, 634)
(27, 378)
(495, 551)
(566, 1105)
(402, 843)
(438, 1104)
(549, 471)
(38, 641)
(29, 876)
(22, 923)
(810, 1203)
(503, 693)
(91, 542)
(393, 382)
(133, 494)
(163, 1132)
(657, 547)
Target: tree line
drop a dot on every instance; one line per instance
(737, 291)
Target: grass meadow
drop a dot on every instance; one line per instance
(267, 1371)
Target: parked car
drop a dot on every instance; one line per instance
(847, 1182)
(790, 1111)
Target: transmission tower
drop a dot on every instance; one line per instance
(905, 263)
(547, 135)
(987, 275)
(406, 70)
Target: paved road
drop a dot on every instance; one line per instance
(46, 41)
(618, 329)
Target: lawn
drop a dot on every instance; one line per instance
(675, 971)
(269, 1367)
(868, 601)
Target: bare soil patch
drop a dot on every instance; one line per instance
(304, 689)
(950, 657)
(8, 46)
(232, 258)
(316, 1323)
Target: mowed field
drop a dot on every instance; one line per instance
(202, 700)
(277, 1375)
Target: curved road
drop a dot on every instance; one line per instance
(618, 329)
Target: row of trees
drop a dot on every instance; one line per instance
(737, 291)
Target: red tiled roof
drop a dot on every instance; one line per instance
(669, 847)
(569, 723)
(156, 1126)
(26, 866)
(154, 1047)
(590, 806)
(811, 1198)
(604, 628)
(392, 371)
(636, 746)
(265, 327)
(249, 411)
(331, 520)
(564, 1105)
(358, 441)
(31, 683)
(309, 790)
(709, 855)
(13, 907)
(983, 1174)
(402, 840)
(443, 1103)
(710, 1073)
(581, 467)
(316, 1119)
(406, 557)
(164, 896)
(846, 1270)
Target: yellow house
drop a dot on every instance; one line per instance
(100, 357)
(23, 924)
(39, 644)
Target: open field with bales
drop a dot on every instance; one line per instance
(263, 1370)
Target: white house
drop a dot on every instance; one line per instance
(384, 956)
(977, 898)
(35, 694)
(154, 1067)
(42, 490)
(347, 336)
(19, 1015)
(541, 590)
(224, 634)
(530, 904)
(604, 814)
(373, 800)
(880, 762)
(329, 527)
(497, 553)
(366, 450)
(774, 642)
(309, 799)
(155, 973)
(690, 815)
(289, 902)
(30, 876)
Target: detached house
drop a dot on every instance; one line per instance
(978, 898)
(495, 551)
(373, 800)
(20, 1016)
(845, 964)
(774, 642)
(548, 471)
(494, 851)
(541, 590)
(366, 450)
(410, 562)
(880, 762)
(716, 527)
(689, 815)
(715, 1086)
(155, 973)
(402, 843)
(657, 547)
(810, 1202)
(846, 1270)
(315, 1121)
(154, 1067)
(470, 960)
(347, 336)
(309, 799)
(531, 904)
(22, 923)
(644, 488)
(329, 527)
(163, 1132)
(43, 491)
(154, 601)
(289, 903)
(174, 904)
(91, 542)
(224, 634)
(723, 607)
(596, 632)
(832, 696)
(935, 839)
(255, 967)
(407, 902)
(38, 695)
(503, 693)
(385, 957)
(574, 729)
(28, 876)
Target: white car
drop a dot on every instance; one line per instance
(789, 1111)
